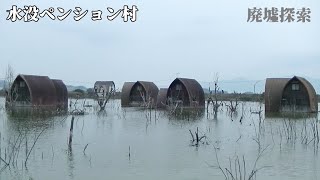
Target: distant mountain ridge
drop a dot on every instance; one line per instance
(72, 88)
(69, 87)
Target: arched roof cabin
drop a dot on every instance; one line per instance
(37, 91)
(186, 92)
(140, 93)
(290, 95)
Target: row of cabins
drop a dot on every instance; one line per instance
(182, 92)
(281, 94)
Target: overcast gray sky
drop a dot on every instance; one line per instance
(194, 39)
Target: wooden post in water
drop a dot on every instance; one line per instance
(0, 145)
(26, 145)
(129, 153)
(71, 132)
(197, 136)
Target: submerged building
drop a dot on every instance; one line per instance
(37, 91)
(103, 90)
(290, 95)
(140, 93)
(185, 93)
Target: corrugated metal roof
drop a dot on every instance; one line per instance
(274, 88)
(273, 93)
(44, 91)
(125, 93)
(150, 88)
(193, 88)
(312, 93)
(62, 93)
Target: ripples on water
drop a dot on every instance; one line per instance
(160, 147)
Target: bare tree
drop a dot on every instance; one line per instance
(107, 98)
(213, 98)
(8, 81)
(196, 138)
(233, 104)
(9, 77)
(238, 167)
(104, 91)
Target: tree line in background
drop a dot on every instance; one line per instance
(89, 93)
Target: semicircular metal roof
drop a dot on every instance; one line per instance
(41, 88)
(274, 88)
(193, 88)
(150, 88)
(45, 91)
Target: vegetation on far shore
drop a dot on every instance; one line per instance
(89, 94)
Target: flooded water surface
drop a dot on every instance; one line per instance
(131, 143)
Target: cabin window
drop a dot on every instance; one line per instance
(178, 87)
(22, 84)
(295, 87)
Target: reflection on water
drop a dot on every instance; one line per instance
(294, 115)
(160, 145)
(70, 163)
(187, 114)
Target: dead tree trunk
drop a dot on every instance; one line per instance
(71, 132)
(196, 140)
